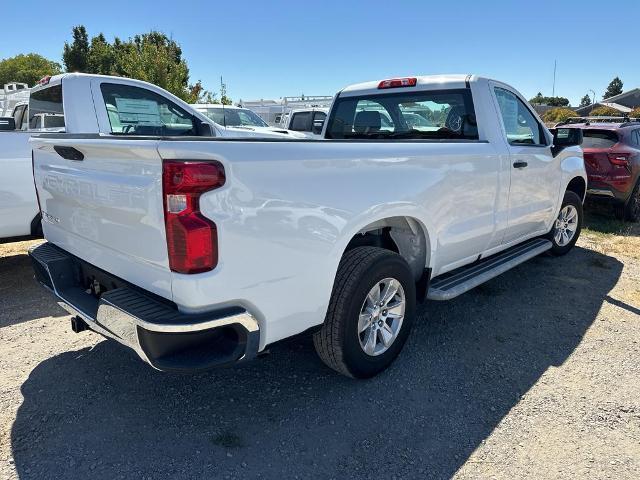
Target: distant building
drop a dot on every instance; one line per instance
(624, 103)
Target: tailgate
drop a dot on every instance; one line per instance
(105, 208)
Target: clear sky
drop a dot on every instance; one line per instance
(269, 49)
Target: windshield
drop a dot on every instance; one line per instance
(234, 117)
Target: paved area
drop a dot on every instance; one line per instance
(532, 375)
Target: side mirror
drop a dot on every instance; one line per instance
(317, 127)
(565, 137)
(7, 123)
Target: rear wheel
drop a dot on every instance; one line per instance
(370, 314)
(567, 226)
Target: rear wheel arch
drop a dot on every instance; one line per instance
(404, 235)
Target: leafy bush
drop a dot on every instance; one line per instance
(635, 113)
(605, 112)
(556, 115)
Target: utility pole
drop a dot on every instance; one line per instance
(553, 92)
(593, 102)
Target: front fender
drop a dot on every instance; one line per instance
(572, 166)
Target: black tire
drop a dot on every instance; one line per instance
(631, 211)
(570, 198)
(337, 342)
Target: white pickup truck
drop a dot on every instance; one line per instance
(43, 113)
(237, 120)
(196, 251)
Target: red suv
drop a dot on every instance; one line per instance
(612, 160)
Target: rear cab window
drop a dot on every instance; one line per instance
(46, 109)
(139, 111)
(429, 115)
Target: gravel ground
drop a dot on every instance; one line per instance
(532, 375)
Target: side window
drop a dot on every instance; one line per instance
(520, 125)
(301, 121)
(24, 125)
(46, 104)
(138, 111)
(19, 116)
(636, 137)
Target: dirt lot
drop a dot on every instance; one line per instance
(536, 374)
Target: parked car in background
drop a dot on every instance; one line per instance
(199, 252)
(307, 121)
(611, 148)
(237, 122)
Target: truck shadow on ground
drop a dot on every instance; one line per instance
(21, 297)
(101, 413)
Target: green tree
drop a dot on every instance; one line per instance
(614, 88)
(26, 68)
(76, 55)
(224, 99)
(197, 94)
(635, 113)
(101, 58)
(585, 101)
(155, 58)
(539, 99)
(152, 57)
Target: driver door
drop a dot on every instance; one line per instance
(534, 175)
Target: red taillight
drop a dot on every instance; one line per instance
(398, 82)
(619, 159)
(192, 240)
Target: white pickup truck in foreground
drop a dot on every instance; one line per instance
(196, 251)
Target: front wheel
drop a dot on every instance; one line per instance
(370, 313)
(567, 226)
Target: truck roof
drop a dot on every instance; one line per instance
(426, 82)
(56, 79)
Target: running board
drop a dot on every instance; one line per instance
(463, 279)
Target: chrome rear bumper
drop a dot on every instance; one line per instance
(161, 335)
